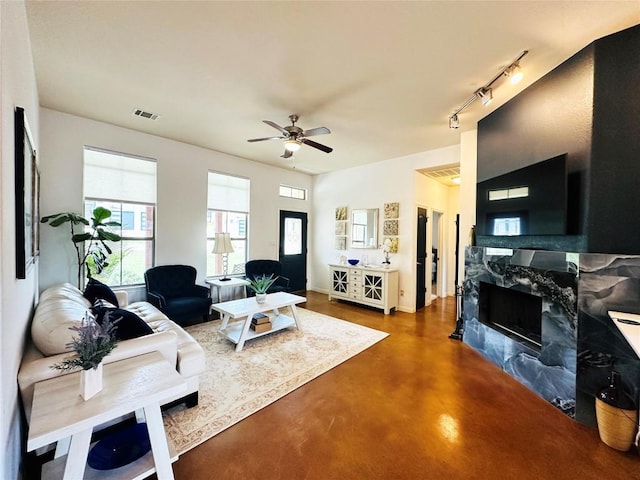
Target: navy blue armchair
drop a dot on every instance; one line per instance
(173, 290)
(257, 268)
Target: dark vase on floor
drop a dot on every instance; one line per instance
(616, 414)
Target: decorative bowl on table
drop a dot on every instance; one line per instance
(353, 261)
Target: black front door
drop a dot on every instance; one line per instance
(421, 259)
(293, 248)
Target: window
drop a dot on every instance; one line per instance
(293, 192)
(125, 185)
(506, 193)
(507, 226)
(227, 212)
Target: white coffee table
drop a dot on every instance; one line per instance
(136, 384)
(243, 310)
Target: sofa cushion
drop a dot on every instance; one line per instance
(60, 308)
(96, 289)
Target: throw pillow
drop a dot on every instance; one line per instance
(100, 304)
(96, 289)
(129, 324)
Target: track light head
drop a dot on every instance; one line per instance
(486, 95)
(514, 72)
(453, 121)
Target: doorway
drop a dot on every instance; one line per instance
(421, 258)
(293, 248)
(436, 252)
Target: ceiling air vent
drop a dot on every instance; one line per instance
(144, 114)
(444, 174)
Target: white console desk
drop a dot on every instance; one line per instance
(59, 414)
(372, 286)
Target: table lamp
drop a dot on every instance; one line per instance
(223, 246)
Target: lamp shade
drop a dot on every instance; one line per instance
(222, 243)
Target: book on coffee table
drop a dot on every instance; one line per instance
(259, 318)
(261, 327)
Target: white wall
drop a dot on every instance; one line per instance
(182, 192)
(468, 175)
(18, 87)
(371, 186)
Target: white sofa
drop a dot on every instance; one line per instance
(63, 306)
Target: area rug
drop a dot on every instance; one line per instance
(237, 384)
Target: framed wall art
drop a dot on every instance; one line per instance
(392, 210)
(27, 185)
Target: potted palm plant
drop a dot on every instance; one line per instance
(260, 285)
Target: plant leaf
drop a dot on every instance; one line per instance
(100, 214)
(81, 237)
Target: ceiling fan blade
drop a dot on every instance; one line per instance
(265, 138)
(276, 126)
(316, 131)
(286, 154)
(317, 145)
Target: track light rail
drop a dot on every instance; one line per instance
(482, 91)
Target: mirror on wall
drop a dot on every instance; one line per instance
(364, 228)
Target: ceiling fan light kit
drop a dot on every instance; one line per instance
(294, 137)
(292, 145)
(485, 93)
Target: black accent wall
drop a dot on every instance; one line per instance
(614, 218)
(589, 108)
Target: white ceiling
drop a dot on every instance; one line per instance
(384, 76)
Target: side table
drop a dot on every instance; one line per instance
(59, 414)
(233, 282)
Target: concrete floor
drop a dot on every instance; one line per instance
(417, 405)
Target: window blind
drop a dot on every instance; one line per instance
(115, 176)
(228, 193)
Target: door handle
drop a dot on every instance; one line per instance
(418, 263)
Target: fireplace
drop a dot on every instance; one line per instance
(519, 311)
(518, 315)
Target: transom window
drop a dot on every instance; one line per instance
(293, 192)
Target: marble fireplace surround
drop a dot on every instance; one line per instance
(580, 342)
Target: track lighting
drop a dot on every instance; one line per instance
(292, 145)
(453, 121)
(485, 93)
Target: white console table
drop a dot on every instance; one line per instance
(59, 414)
(372, 286)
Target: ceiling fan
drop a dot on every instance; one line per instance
(294, 137)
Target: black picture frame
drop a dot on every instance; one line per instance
(27, 184)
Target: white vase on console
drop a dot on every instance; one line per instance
(91, 382)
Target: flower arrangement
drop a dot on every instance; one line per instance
(261, 283)
(386, 248)
(94, 342)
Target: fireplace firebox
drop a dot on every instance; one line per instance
(516, 314)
